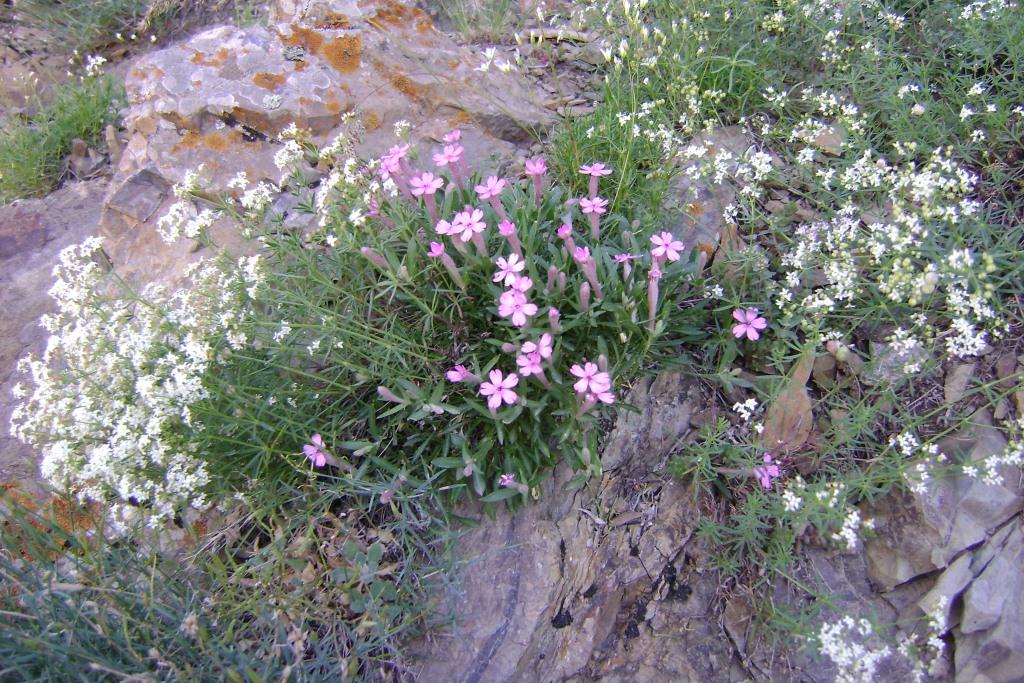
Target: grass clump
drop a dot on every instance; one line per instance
(33, 152)
(80, 26)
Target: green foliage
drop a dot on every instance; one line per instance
(285, 588)
(77, 25)
(32, 153)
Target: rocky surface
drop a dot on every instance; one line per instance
(222, 98)
(959, 544)
(606, 583)
(32, 233)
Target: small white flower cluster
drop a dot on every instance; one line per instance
(849, 533)
(110, 401)
(746, 409)
(846, 643)
(986, 10)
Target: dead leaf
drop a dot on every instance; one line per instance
(730, 244)
(956, 382)
(788, 420)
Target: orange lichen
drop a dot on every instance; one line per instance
(218, 59)
(334, 20)
(398, 14)
(333, 106)
(371, 121)
(268, 80)
(343, 53)
(453, 63)
(424, 25)
(459, 119)
(694, 209)
(304, 37)
(58, 512)
(299, 66)
(218, 142)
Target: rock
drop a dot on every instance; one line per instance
(553, 595)
(228, 92)
(990, 640)
(221, 99)
(830, 140)
(956, 382)
(948, 588)
(886, 363)
(1006, 367)
(919, 533)
(32, 233)
(694, 205)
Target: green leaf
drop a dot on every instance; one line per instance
(499, 495)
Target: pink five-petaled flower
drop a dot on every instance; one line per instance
(542, 346)
(595, 170)
(492, 187)
(665, 247)
(449, 156)
(507, 269)
(594, 205)
(565, 231)
(317, 451)
(514, 304)
(749, 322)
(436, 250)
(425, 183)
(468, 223)
(507, 480)
(499, 389)
(536, 166)
(765, 473)
(454, 136)
(529, 364)
(591, 379)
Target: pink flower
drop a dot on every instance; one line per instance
(564, 232)
(506, 228)
(594, 205)
(507, 480)
(529, 364)
(468, 223)
(445, 228)
(581, 254)
(536, 167)
(398, 152)
(767, 472)
(425, 183)
(461, 374)
(750, 321)
(516, 306)
(542, 346)
(491, 188)
(454, 136)
(317, 451)
(436, 250)
(521, 284)
(507, 269)
(595, 170)
(666, 246)
(449, 156)
(624, 258)
(499, 389)
(591, 379)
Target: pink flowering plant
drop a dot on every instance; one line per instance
(532, 308)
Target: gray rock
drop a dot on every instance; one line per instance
(32, 233)
(921, 533)
(552, 594)
(990, 640)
